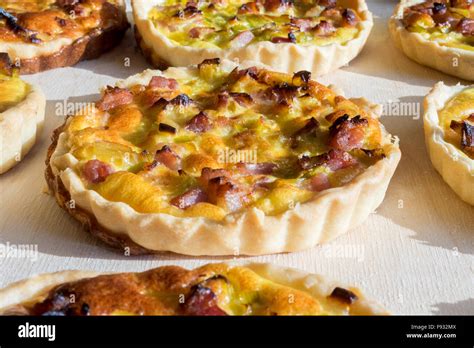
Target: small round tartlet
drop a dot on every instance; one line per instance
(210, 290)
(438, 34)
(318, 35)
(221, 159)
(22, 108)
(449, 135)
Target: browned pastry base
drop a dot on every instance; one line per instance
(147, 52)
(87, 47)
(88, 221)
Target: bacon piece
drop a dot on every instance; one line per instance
(277, 5)
(249, 7)
(465, 27)
(282, 93)
(347, 133)
(265, 168)
(202, 302)
(290, 39)
(114, 97)
(242, 39)
(237, 74)
(96, 171)
(349, 17)
(207, 174)
(224, 193)
(303, 24)
(334, 160)
(301, 78)
(188, 12)
(162, 82)
(324, 28)
(199, 123)
(344, 295)
(163, 127)
(210, 61)
(168, 157)
(181, 100)
(199, 32)
(319, 182)
(327, 3)
(189, 198)
(243, 99)
(467, 138)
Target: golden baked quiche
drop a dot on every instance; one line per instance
(449, 134)
(210, 290)
(22, 108)
(221, 159)
(437, 33)
(46, 34)
(288, 35)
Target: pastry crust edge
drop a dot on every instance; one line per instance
(314, 284)
(20, 126)
(249, 232)
(454, 166)
(429, 53)
(284, 57)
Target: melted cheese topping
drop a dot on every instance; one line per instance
(171, 290)
(13, 91)
(220, 22)
(442, 28)
(261, 131)
(44, 20)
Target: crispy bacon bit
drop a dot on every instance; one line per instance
(114, 97)
(319, 182)
(467, 139)
(466, 26)
(202, 302)
(211, 61)
(334, 160)
(224, 193)
(327, 3)
(249, 7)
(347, 133)
(188, 12)
(282, 93)
(263, 168)
(189, 198)
(290, 39)
(237, 74)
(349, 16)
(96, 171)
(303, 24)
(181, 100)
(277, 5)
(324, 28)
(199, 32)
(162, 82)
(163, 127)
(168, 157)
(242, 99)
(439, 8)
(242, 39)
(207, 174)
(301, 78)
(199, 123)
(344, 295)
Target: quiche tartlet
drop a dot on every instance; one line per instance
(288, 35)
(22, 108)
(438, 34)
(46, 34)
(210, 290)
(449, 134)
(218, 159)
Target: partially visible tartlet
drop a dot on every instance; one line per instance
(438, 34)
(221, 159)
(22, 108)
(449, 134)
(316, 35)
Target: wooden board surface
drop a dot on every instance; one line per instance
(415, 254)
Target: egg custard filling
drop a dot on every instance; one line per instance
(229, 24)
(457, 120)
(211, 290)
(12, 89)
(39, 21)
(211, 141)
(449, 23)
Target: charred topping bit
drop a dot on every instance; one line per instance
(344, 295)
(301, 78)
(249, 7)
(242, 99)
(181, 100)
(324, 28)
(347, 133)
(199, 123)
(12, 23)
(188, 12)
(290, 39)
(201, 301)
(282, 93)
(163, 127)
(467, 140)
(439, 8)
(6, 66)
(211, 61)
(96, 171)
(189, 198)
(334, 160)
(114, 97)
(349, 16)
